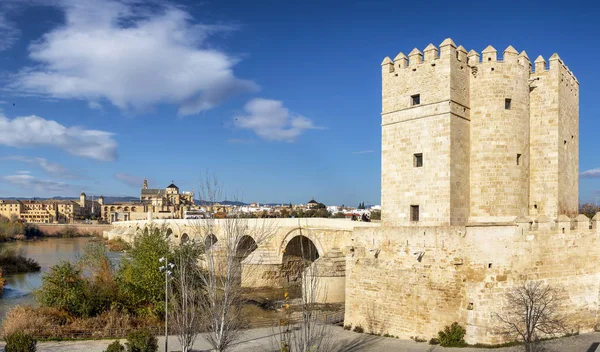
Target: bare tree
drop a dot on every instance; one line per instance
(223, 275)
(309, 331)
(532, 312)
(186, 292)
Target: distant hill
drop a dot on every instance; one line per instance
(107, 199)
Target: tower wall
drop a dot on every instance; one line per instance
(554, 139)
(499, 136)
(436, 128)
(568, 155)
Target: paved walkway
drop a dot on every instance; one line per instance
(260, 340)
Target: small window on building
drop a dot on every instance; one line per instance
(414, 213)
(418, 160)
(518, 159)
(415, 99)
(507, 103)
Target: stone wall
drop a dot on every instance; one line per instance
(413, 281)
(54, 229)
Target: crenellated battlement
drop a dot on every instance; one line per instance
(448, 49)
(562, 225)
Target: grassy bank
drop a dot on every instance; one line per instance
(13, 262)
(117, 245)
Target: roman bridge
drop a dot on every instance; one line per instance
(311, 239)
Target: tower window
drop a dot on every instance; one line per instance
(418, 160)
(415, 99)
(414, 213)
(507, 103)
(518, 159)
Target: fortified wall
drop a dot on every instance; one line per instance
(479, 195)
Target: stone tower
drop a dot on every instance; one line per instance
(469, 138)
(425, 137)
(82, 197)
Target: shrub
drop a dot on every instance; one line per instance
(115, 347)
(141, 341)
(68, 231)
(358, 329)
(12, 261)
(118, 245)
(63, 288)
(347, 327)
(20, 342)
(434, 341)
(452, 336)
(31, 320)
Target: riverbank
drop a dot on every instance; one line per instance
(13, 262)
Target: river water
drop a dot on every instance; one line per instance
(47, 252)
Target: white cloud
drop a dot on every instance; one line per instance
(270, 120)
(30, 183)
(34, 131)
(9, 33)
(363, 152)
(94, 105)
(593, 173)
(130, 180)
(134, 55)
(49, 167)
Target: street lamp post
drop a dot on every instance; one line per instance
(167, 269)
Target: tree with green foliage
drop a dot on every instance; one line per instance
(64, 288)
(140, 282)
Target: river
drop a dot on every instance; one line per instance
(47, 252)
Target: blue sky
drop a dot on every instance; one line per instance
(280, 99)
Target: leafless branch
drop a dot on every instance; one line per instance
(532, 312)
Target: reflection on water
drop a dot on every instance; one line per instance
(19, 287)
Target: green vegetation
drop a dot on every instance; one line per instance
(11, 229)
(20, 342)
(118, 245)
(452, 336)
(115, 347)
(92, 296)
(359, 329)
(140, 282)
(376, 215)
(141, 341)
(12, 262)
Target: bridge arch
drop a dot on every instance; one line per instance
(300, 242)
(210, 241)
(169, 232)
(184, 238)
(245, 247)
